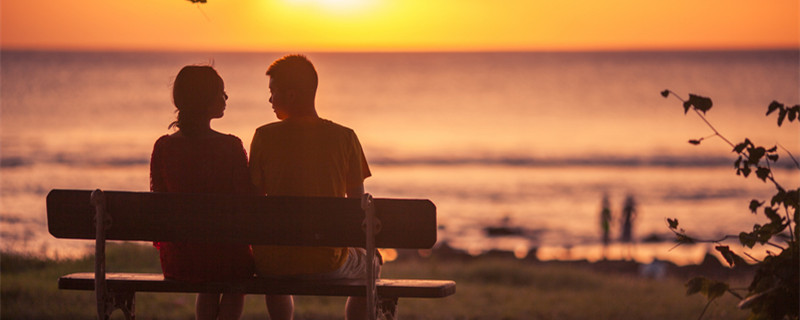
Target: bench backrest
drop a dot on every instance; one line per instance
(302, 221)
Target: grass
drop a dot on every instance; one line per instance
(487, 288)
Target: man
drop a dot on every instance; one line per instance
(305, 155)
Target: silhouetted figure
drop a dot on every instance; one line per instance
(305, 155)
(628, 218)
(605, 222)
(198, 159)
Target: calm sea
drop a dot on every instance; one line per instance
(528, 141)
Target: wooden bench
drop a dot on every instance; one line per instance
(293, 221)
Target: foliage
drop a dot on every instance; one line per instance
(773, 292)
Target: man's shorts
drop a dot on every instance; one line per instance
(355, 267)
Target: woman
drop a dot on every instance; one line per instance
(197, 159)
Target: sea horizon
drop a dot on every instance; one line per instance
(528, 138)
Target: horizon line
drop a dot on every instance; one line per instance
(398, 50)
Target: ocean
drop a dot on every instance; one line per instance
(526, 142)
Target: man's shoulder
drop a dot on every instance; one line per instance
(324, 124)
(335, 126)
(269, 126)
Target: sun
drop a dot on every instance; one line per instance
(336, 6)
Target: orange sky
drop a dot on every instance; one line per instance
(399, 25)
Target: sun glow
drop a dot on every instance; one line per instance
(334, 6)
(392, 25)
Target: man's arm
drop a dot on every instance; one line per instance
(355, 190)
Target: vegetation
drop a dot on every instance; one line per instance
(773, 292)
(488, 288)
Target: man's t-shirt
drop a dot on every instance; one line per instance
(304, 158)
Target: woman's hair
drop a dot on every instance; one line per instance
(193, 92)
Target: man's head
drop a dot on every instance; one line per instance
(293, 86)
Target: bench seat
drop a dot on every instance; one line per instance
(155, 282)
(367, 223)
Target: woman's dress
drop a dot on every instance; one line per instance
(212, 164)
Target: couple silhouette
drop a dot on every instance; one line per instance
(299, 155)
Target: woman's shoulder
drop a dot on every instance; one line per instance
(230, 138)
(163, 140)
(215, 137)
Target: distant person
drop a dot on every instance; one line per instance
(305, 155)
(198, 159)
(628, 218)
(605, 222)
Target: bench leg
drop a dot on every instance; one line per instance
(387, 308)
(126, 301)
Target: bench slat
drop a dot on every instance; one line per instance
(303, 221)
(155, 282)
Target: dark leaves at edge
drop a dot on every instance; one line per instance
(756, 154)
(700, 103)
(731, 257)
(773, 215)
(747, 240)
(673, 223)
(694, 285)
(741, 146)
(781, 117)
(775, 105)
(755, 204)
(763, 173)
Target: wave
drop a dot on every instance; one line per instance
(512, 161)
(73, 161)
(591, 161)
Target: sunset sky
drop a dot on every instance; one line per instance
(399, 25)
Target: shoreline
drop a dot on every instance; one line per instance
(710, 266)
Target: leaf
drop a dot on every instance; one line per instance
(732, 258)
(673, 223)
(773, 157)
(775, 105)
(773, 149)
(792, 198)
(763, 173)
(694, 142)
(778, 198)
(764, 233)
(686, 106)
(712, 289)
(737, 163)
(665, 93)
(694, 285)
(781, 116)
(741, 146)
(756, 154)
(754, 205)
(745, 171)
(792, 114)
(716, 290)
(747, 239)
(773, 215)
(700, 103)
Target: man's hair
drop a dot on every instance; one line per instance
(294, 72)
